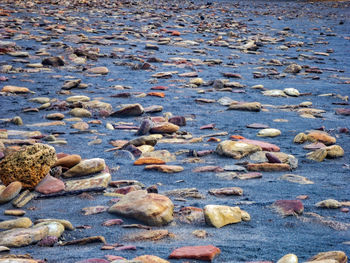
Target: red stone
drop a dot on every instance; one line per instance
(50, 185)
(265, 146)
(289, 207)
(159, 88)
(206, 253)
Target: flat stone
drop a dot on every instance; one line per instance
(10, 192)
(165, 127)
(269, 132)
(165, 168)
(288, 207)
(129, 110)
(148, 160)
(152, 209)
(20, 237)
(148, 235)
(50, 185)
(98, 70)
(296, 179)
(344, 112)
(78, 98)
(206, 253)
(68, 161)
(226, 191)
(80, 112)
(86, 167)
(14, 89)
(265, 146)
(221, 215)
(29, 165)
(14, 212)
(100, 180)
(164, 155)
(274, 93)
(247, 106)
(320, 136)
(268, 167)
(67, 225)
(80, 125)
(23, 222)
(236, 150)
(329, 203)
(55, 116)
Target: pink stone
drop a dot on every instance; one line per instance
(289, 207)
(50, 185)
(265, 146)
(206, 253)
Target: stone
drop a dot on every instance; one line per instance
(55, 116)
(53, 61)
(200, 233)
(86, 167)
(178, 120)
(165, 168)
(14, 212)
(314, 146)
(246, 106)
(50, 185)
(68, 161)
(14, 89)
(300, 138)
(265, 146)
(274, 93)
(291, 92)
(143, 140)
(296, 179)
(148, 160)
(329, 203)
(48, 241)
(78, 98)
(104, 108)
(185, 193)
(150, 259)
(29, 165)
(17, 120)
(272, 158)
(205, 253)
(318, 155)
(245, 216)
(269, 132)
(145, 127)
(164, 155)
(10, 192)
(320, 136)
(334, 151)
(236, 150)
(98, 70)
(226, 191)
(288, 207)
(289, 258)
(149, 208)
(268, 167)
(221, 215)
(80, 112)
(23, 222)
(342, 111)
(67, 225)
(165, 127)
(293, 68)
(19, 237)
(54, 228)
(99, 181)
(80, 125)
(148, 235)
(197, 81)
(71, 84)
(336, 256)
(129, 110)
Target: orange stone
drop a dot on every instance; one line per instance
(176, 33)
(206, 253)
(14, 89)
(10, 192)
(321, 137)
(156, 94)
(148, 160)
(268, 167)
(68, 161)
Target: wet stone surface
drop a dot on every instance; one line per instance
(228, 104)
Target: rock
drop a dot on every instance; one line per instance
(55, 116)
(274, 93)
(17, 121)
(200, 233)
(92, 210)
(10, 192)
(86, 167)
(99, 181)
(269, 132)
(268, 167)
(236, 150)
(68, 161)
(148, 160)
(320, 136)
(80, 112)
(98, 70)
(164, 155)
(148, 235)
(150, 259)
(314, 146)
(318, 155)
(197, 81)
(78, 98)
(67, 225)
(293, 68)
(129, 110)
(245, 216)
(165, 127)
(20, 237)
(29, 165)
(145, 127)
(329, 203)
(53, 61)
(50, 185)
(165, 168)
(323, 257)
(226, 191)
(345, 112)
(71, 84)
(152, 209)
(54, 228)
(23, 222)
(300, 138)
(205, 253)
(185, 193)
(221, 215)
(80, 125)
(296, 179)
(265, 146)
(246, 106)
(272, 158)
(178, 120)
(14, 89)
(334, 151)
(14, 212)
(292, 92)
(289, 258)
(48, 241)
(288, 207)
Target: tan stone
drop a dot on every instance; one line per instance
(289, 258)
(80, 112)
(164, 127)
(100, 180)
(300, 138)
(236, 150)
(20, 237)
(10, 192)
(321, 137)
(86, 167)
(23, 222)
(334, 151)
(150, 259)
(14, 89)
(221, 215)
(337, 256)
(165, 168)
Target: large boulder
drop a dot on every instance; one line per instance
(28, 165)
(152, 209)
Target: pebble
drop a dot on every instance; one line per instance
(10, 192)
(23, 222)
(269, 132)
(129, 110)
(165, 168)
(86, 167)
(206, 253)
(50, 185)
(245, 106)
(79, 112)
(289, 258)
(236, 150)
(68, 161)
(221, 215)
(14, 89)
(329, 203)
(14, 212)
(98, 70)
(288, 207)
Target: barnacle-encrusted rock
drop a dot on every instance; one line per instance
(28, 165)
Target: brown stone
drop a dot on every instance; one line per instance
(148, 160)
(50, 185)
(206, 253)
(321, 137)
(288, 207)
(268, 167)
(10, 192)
(68, 161)
(28, 165)
(14, 89)
(165, 168)
(337, 256)
(165, 127)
